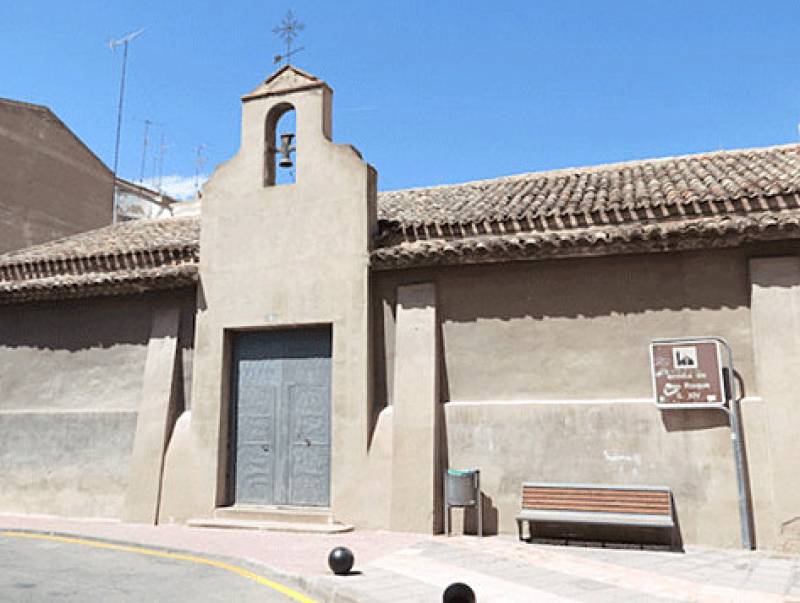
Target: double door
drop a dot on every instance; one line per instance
(281, 423)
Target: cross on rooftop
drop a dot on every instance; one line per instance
(289, 29)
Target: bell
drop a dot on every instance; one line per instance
(286, 149)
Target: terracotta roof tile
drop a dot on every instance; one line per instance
(135, 235)
(692, 179)
(677, 235)
(686, 196)
(697, 201)
(133, 256)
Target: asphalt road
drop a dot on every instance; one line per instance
(41, 568)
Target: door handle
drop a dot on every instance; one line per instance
(306, 442)
(265, 447)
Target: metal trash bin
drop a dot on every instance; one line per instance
(462, 488)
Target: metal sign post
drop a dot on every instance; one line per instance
(698, 373)
(745, 520)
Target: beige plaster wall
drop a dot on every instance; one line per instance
(581, 328)
(624, 443)
(72, 376)
(546, 373)
(775, 319)
(73, 354)
(415, 450)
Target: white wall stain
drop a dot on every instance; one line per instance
(636, 459)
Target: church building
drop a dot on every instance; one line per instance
(318, 353)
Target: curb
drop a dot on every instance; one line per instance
(314, 586)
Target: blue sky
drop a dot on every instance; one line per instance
(430, 92)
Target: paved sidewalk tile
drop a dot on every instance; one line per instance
(676, 578)
(404, 568)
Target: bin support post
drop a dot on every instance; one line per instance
(446, 501)
(480, 503)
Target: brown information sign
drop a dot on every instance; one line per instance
(687, 373)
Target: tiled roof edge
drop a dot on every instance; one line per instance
(658, 237)
(393, 233)
(99, 284)
(80, 265)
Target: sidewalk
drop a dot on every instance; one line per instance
(410, 567)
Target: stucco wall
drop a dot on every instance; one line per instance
(52, 184)
(71, 375)
(545, 375)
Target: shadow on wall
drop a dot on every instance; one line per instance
(676, 535)
(593, 287)
(444, 447)
(585, 287)
(382, 358)
(100, 322)
(696, 419)
(491, 518)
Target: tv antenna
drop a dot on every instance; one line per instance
(289, 29)
(199, 163)
(124, 41)
(162, 150)
(145, 142)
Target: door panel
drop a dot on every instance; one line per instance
(309, 464)
(281, 406)
(256, 441)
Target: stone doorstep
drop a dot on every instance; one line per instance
(274, 526)
(278, 519)
(319, 515)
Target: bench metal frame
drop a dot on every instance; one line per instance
(595, 517)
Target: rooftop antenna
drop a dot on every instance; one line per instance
(289, 29)
(162, 149)
(124, 41)
(145, 141)
(199, 162)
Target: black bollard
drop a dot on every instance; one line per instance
(458, 592)
(340, 560)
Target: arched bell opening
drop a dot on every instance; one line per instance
(280, 145)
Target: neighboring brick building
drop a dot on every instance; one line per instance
(51, 184)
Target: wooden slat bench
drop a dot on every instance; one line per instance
(645, 506)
